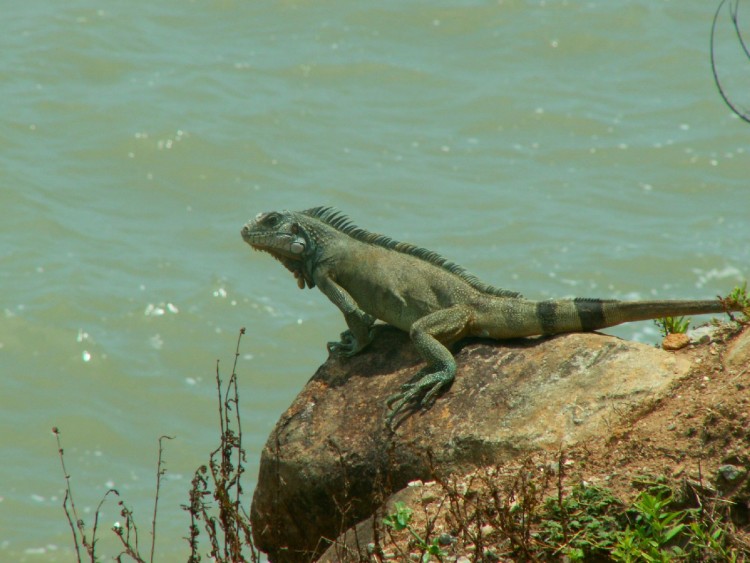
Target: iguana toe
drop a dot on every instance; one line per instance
(348, 346)
(421, 391)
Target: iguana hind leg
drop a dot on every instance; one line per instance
(431, 334)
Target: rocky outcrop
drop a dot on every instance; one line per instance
(330, 459)
(694, 440)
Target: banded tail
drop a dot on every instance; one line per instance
(582, 315)
(516, 318)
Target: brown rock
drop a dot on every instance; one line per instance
(738, 354)
(675, 341)
(331, 460)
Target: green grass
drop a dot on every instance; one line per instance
(581, 525)
(672, 325)
(400, 520)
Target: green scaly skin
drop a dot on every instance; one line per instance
(370, 276)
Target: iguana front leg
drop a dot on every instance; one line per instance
(360, 323)
(428, 335)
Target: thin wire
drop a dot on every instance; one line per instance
(734, 14)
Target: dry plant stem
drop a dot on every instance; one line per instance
(240, 451)
(217, 473)
(222, 473)
(229, 531)
(130, 524)
(96, 519)
(129, 550)
(208, 519)
(194, 509)
(68, 495)
(561, 496)
(159, 472)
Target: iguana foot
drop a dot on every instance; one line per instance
(421, 390)
(345, 346)
(349, 345)
(357, 337)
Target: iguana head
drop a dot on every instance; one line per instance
(279, 233)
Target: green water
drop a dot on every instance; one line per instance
(555, 148)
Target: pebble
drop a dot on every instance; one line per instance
(731, 472)
(445, 539)
(675, 341)
(487, 530)
(702, 334)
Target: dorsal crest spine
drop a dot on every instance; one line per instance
(334, 218)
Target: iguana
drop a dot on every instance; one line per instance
(370, 276)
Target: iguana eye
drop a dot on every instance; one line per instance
(272, 220)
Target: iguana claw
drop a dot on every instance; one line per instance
(421, 390)
(349, 345)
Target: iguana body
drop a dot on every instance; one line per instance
(370, 276)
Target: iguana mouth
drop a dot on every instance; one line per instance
(280, 255)
(246, 236)
(258, 241)
(291, 261)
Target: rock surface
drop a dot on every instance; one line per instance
(675, 341)
(330, 460)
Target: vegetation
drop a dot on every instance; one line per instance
(401, 520)
(584, 523)
(214, 499)
(672, 325)
(228, 531)
(739, 296)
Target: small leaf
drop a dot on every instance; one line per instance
(672, 532)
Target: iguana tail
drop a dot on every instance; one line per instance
(591, 314)
(514, 318)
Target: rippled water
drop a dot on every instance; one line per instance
(555, 148)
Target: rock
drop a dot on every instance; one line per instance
(330, 459)
(445, 539)
(675, 341)
(731, 473)
(703, 334)
(738, 353)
